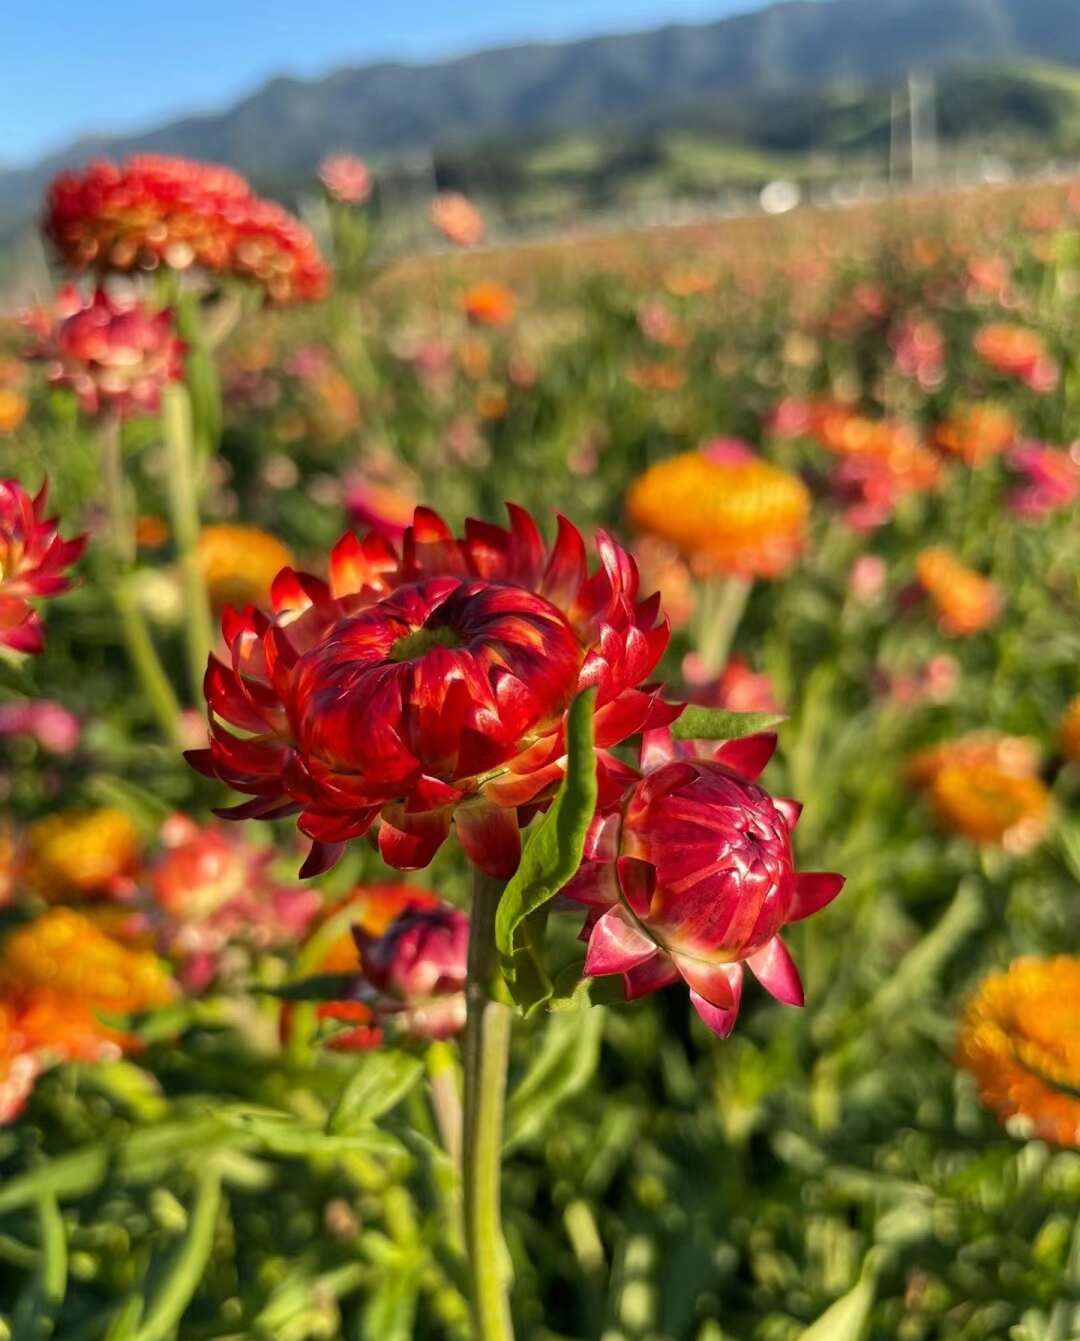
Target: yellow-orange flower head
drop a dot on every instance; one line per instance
(740, 516)
(64, 954)
(80, 854)
(977, 433)
(964, 601)
(1020, 1039)
(986, 789)
(239, 564)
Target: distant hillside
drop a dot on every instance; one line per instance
(605, 85)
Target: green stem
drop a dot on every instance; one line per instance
(486, 1049)
(121, 539)
(722, 608)
(184, 507)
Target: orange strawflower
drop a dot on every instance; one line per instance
(1020, 1039)
(1069, 731)
(985, 788)
(488, 304)
(1017, 352)
(739, 516)
(64, 954)
(80, 854)
(239, 564)
(13, 408)
(977, 433)
(964, 601)
(656, 376)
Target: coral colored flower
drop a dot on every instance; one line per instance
(457, 219)
(13, 410)
(1019, 353)
(664, 570)
(214, 890)
(1069, 731)
(744, 517)
(116, 355)
(867, 578)
(1020, 1039)
(378, 507)
(32, 561)
(50, 724)
(737, 688)
(919, 349)
(239, 563)
(1051, 480)
(964, 601)
(346, 177)
(488, 304)
(429, 687)
(417, 970)
(65, 954)
(976, 433)
(986, 789)
(79, 854)
(155, 210)
(694, 877)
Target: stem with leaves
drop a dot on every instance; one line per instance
(486, 1052)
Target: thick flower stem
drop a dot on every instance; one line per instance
(723, 606)
(184, 506)
(486, 1052)
(120, 530)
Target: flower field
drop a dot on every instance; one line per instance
(407, 664)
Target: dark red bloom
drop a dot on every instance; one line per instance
(694, 876)
(417, 970)
(431, 686)
(32, 561)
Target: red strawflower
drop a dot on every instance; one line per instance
(417, 970)
(115, 354)
(430, 686)
(694, 876)
(32, 561)
(158, 210)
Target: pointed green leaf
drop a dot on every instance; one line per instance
(381, 1080)
(551, 857)
(719, 724)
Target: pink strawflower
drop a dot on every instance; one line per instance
(346, 177)
(32, 561)
(1050, 480)
(49, 723)
(416, 970)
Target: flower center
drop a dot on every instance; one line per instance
(415, 644)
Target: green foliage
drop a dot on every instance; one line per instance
(551, 855)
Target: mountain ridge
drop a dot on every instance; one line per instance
(393, 108)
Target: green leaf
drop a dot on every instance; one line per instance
(381, 1080)
(719, 724)
(177, 1289)
(41, 1301)
(282, 1134)
(562, 1068)
(391, 1310)
(66, 1176)
(319, 987)
(551, 857)
(847, 1319)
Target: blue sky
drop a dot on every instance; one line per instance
(73, 67)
